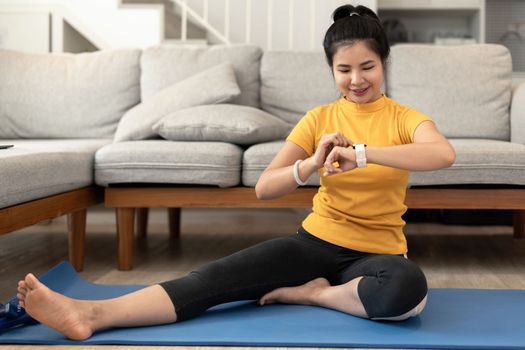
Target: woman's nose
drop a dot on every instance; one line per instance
(357, 78)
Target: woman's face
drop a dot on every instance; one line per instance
(358, 72)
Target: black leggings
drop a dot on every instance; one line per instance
(391, 286)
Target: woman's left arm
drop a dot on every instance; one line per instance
(430, 151)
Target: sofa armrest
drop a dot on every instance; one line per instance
(517, 114)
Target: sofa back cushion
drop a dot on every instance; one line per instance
(465, 89)
(166, 65)
(66, 95)
(294, 82)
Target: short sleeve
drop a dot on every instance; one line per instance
(303, 134)
(409, 124)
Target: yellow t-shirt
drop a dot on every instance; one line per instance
(360, 209)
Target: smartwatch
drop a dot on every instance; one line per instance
(360, 154)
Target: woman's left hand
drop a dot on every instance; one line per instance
(342, 155)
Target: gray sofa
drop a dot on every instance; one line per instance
(57, 111)
(466, 90)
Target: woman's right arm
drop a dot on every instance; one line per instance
(277, 179)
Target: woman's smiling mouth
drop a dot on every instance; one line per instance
(359, 92)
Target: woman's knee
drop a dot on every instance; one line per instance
(396, 291)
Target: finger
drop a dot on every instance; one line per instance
(337, 140)
(341, 140)
(328, 166)
(333, 172)
(331, 159)
(326, 143)
(347, 142)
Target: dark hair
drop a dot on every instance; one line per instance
(353, 24)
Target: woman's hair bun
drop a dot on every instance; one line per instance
(343, 12)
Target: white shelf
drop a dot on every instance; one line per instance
(425, 20)
(430, 4)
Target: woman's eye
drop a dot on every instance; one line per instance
(344, 71)
(368, 68)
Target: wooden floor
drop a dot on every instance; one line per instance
(450, 256)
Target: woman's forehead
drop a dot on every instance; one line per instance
(356, 53)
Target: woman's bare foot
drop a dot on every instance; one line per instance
(68, 316)
(296, 295)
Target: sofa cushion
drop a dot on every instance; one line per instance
(35, 169)
(137, 123)
(477, 162)
(517, 113)
(165, 65)
(292, 83)
(257, 158)
(66, 95)
(241, 125)
(465, 89)
(169, 162)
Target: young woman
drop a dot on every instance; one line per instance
(349, 254)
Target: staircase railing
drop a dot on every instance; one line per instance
(202, 21)
(310, 30)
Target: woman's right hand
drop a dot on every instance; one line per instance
(326, 144)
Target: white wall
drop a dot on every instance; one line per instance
(25, 31)
(104, 23)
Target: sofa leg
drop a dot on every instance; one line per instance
(125, 237)
(142, 222)
(76, 226)
(174, 222)
(519, 223)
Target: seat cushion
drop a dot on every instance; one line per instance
(466, 90)
(478, 161)
(35, 169)
(169, 162)
(166, 65)
(66, 95)
(256, 159)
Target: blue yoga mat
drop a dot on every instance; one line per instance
(453, 319)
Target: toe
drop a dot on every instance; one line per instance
(262, 301)
(267, 299)
(31, 281)
(20, 297)
(22, 291)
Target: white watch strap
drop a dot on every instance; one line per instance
(360, 155)
(296, 173)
